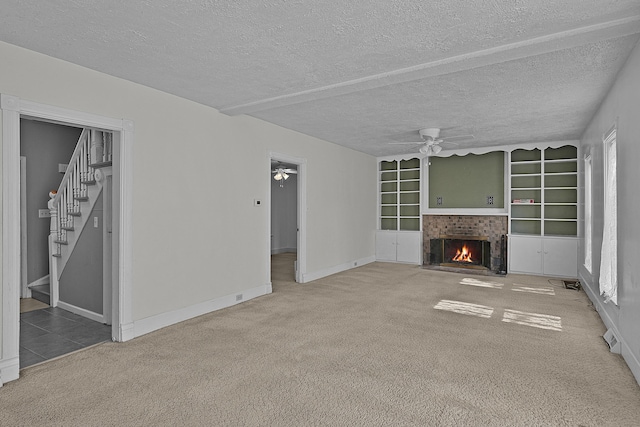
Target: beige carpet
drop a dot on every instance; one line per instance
(383, 344)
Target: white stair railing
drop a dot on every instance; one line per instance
(94, 150)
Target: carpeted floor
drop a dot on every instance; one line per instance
(383, 344)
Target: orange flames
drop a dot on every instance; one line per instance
(463, 255)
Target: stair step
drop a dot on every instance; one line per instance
(74, 214)
(81, 198)
(67, 228)
(100, 165)
(57, 255)
(61, 242)
(41, 293)
(89, 182)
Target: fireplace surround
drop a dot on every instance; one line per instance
(491, 229)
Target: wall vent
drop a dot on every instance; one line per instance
(612, 341)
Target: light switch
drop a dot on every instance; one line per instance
(95, 222)
(44, 213)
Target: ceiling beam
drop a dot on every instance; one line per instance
(481, 58)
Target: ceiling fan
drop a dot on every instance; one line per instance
(281, 173)
(431, 141)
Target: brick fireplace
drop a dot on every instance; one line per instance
(490, 228)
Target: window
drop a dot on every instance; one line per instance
(609, 257)
(587, 214)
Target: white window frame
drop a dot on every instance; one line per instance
(588, 213)
(609, 252)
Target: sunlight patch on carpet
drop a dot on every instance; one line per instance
(533, 290)
(535, 320)
(465, 308)
(481, 283)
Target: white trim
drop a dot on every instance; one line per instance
(12, 109)
(9, 370)
(81, 311)
(25, 292)
(467, 211)
(337, 269)
(631, 359)
(159, 321)
(283, 251)
(10, 238)
(301, 164)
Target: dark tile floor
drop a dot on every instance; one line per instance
(52, 332)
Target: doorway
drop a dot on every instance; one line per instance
(287, 217)
(14, 109)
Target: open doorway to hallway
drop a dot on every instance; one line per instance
(66, 308)
(287, 218)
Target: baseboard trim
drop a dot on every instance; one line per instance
(81, 311)
(9, 370)
(630, 359)
(308, 277)
(283, 251)
(159, 321)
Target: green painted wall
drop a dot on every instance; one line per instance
(467, 181)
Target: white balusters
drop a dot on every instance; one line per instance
(94, 150)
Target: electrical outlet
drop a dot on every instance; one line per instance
(257, 202)
(439, 200)
(44, 213)
(239, 297)
(490, 200)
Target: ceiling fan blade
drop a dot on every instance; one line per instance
(457, 138)
(294, 171)
(406, 143)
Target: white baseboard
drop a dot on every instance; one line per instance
(308, 277)
(9, 370)
(81, 312)
(631, 359)
(283, 251)
(159, 321)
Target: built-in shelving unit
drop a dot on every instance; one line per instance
(400, 194)
(549, 178)
(399, 238)
(544, 211)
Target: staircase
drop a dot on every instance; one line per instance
(72, 203)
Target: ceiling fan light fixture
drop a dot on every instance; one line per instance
(424, 149)
(278, 176)
(436, 149)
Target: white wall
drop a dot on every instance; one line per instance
(621, 105)
(284, 215)
(196, 234)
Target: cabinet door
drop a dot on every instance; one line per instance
(560, 257)
(408, 247)
(525, 254)
(386, 246)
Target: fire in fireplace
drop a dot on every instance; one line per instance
(461, 251)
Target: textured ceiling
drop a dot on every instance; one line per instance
(360, 73)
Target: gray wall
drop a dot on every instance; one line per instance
(45, 145)
(621, 105)
(81, 280)
(284, 215)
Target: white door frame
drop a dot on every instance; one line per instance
(25, 292)
(12, 109)
(301, 164)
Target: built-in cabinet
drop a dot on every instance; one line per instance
(399, 238)
(544, 211)
(399, 246)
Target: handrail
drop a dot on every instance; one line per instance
(69, 171)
